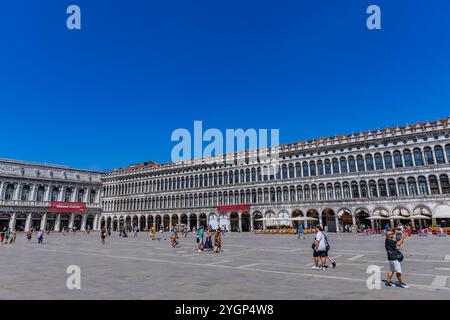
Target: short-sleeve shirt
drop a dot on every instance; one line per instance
(300, 228)
(391, 249)
(321, 238)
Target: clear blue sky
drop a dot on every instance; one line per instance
(111, 94)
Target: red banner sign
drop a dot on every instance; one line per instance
(235, 207)
(67, 206)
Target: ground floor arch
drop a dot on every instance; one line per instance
(234, 222)
(50, 222)
(245, 222)
(203, 220)
(166, 222)
(192, 221)
(258, 224)
(142, 223)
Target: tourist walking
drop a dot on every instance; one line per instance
(153, 233)
(13, 236)
(136, 231)
(40, 237)
(7, 235)
(300, 232)
(208, 242)
(395, 257)
(218, 241)
(319, 250)
(103, 235)
(29, 235)
(200, 239)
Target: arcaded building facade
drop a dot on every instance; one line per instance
(340, 180)
(50, 197)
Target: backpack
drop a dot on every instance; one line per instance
(327, 244)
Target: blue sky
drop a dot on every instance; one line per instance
(111, 94)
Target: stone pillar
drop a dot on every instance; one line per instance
(338, 228)
(12, 221)
(251, 223)
(74, 194)
(83, 222)
(170, 222)
(28, 222)
(71, 220)
(58, 222)
(353, 219)
(240, 221)
(16, 195)
(2, 189)
(47, 193)
(189, 222)
(61, 193)
(44, 221)
(320, 219)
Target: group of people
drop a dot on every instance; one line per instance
(204, 239)
(393, 244)
(7, 235)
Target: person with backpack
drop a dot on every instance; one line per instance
(395, 257)
(319, 250)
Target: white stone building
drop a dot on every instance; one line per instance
(27, 191)
(340, 180)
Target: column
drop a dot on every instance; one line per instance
(240, 221)
(87, 191)
(251, 223)
(28, 222)
(71, 220)
(17, 192)
(2, 187)
(12, 221)
(61, 193)
(353, 219)
(74, 194)
(33, 193)
(83, 222)
(320, 219)
(170, 222)
(44, 221)
(47, 193)
(198, 221)
(338, 229)
(111, 225)
(58, 222)
(189, 222)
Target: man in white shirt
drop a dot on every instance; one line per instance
(320, 251)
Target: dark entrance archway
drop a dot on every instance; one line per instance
(21, 220)
(329, 220)
(192, 221)
(158, 222)
(64, 221)
(77, 221)
(245, 221)
(203, 220)
(234, 222)
(257, 224)
(166, 222)
(51, 221)
(90, 222)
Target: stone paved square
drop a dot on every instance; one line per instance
(250, 267)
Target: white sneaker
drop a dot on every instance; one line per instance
(315, 267)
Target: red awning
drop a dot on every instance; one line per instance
(67, 206)
(236, 207)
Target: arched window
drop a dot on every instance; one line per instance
(402, 187)
(388, 160)
(445, 187)
(9, 193)
(378, 161)
(298, 169)
(330, 191)
(335, 166)
(439, 153)
(360, 162)
(284, 172)
(291, 171)
(338, 191)
(434, 188)
(428, 155)
(382, 188)
(355, 190)
(253, 174)
(320, 167)
(92, 196)
(398, 159)
(369, 162)
(54, 194)
(68, 195)
(423, 188)
(346, 190)
(25, 193)
(312, 166)
(373, 189)
(343, 165)
(412, 187)
(322, 195)
(408, 158)
(314, 192)
(363, 187)
(447, 150)
(418, 158)
(327, 166)
(305, 169)
(351, 164)
(392, 187)
(40, 194)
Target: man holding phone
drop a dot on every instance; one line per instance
(395, 257)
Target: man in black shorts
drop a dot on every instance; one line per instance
(394, 257)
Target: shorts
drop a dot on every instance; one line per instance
(198, 240)
(319, 254)
(395, 266)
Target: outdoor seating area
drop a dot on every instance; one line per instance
(283, 231)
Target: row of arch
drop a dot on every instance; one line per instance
(244, 221)
(46, 220)
(338, 165)
(27, 192)
(400, 187)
